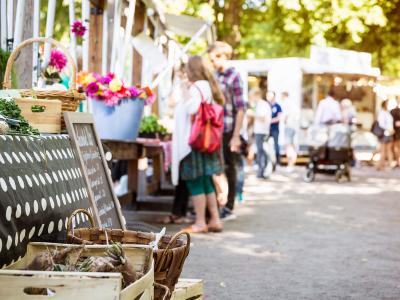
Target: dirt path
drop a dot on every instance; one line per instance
(294, 240)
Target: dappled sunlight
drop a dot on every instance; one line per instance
(252, 250)
(319, 215)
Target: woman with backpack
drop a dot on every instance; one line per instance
(196, 165)
(385, 122)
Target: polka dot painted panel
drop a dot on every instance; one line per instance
(41, 184)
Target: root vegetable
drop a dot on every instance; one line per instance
(128, 272)
(97, 264)
(41, 262)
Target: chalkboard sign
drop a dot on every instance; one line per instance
(87, 143)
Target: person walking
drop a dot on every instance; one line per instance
(385, 122)
(232, 88)
(262, 124)
(291, 118)
(276, 114)
(395, 112)
(197, 168)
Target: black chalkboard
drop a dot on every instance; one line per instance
(87, 143)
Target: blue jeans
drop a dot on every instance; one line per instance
(262, 157)
(275, 135)
(240, 176)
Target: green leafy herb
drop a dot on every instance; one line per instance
(18, 124)
(150, 124)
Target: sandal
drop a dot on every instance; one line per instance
(215, 228)
(171, 219)
(195, 229)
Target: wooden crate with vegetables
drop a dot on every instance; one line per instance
(82, 272)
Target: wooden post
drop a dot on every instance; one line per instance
(24, 63)
(138, 27)
(95, 39)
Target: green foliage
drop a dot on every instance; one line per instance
(150, 125)
(4, 55)
(15, 120)
(282, 28)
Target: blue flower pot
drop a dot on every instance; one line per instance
(121, 122)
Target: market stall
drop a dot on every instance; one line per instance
(307, 80)
(55, 180)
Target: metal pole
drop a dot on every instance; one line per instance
(71, 21)
(10, 23)
(19, 20)
(35, 47)
(85, 43)
(104, 49)
(3, 24)
(51, 11)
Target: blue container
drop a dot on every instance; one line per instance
(121, 122)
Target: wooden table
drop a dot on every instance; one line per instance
(138, 187)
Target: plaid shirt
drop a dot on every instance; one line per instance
(232, 86)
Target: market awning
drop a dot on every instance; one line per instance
(188, 26)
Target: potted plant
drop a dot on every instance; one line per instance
(117, 108)
(150, 127)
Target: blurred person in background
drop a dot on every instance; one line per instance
(232, 87)
(291, 118)
(348, 111)
(276, 114)
(262, 124)
(328, 110)
(385, 122)
(181, 195)
(396, 137)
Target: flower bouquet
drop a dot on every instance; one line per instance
(117, 108)
(56, 65)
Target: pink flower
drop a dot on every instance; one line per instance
(92, 89)
(58, 59)
(107, 79)
(134, 91)
(150, 99)
(78, 28)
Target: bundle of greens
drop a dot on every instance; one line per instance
(11, 113)
(72, 259)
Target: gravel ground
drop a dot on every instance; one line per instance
(294, 240)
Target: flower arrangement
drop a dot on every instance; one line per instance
(78, 29)
(110, 89)
(56, 65)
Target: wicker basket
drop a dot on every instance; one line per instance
(70, 99)
(168, 259)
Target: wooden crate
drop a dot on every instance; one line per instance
(188, 289)
(79, 285)
(48, 121)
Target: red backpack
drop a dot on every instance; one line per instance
(207, 127)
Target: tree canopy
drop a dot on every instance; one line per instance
(281, 28)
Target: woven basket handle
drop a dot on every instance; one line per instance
(164, 288)
(80, 210)
(171, 242)
(17, 50)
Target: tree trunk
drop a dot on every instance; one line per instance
(232, 13)
(23, 65)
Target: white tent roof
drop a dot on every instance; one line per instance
(188, 26)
